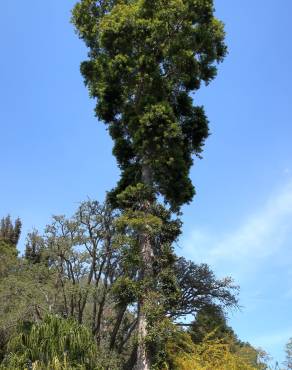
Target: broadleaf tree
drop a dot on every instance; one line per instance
(146, 59)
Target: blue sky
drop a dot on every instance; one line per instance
(53, 153)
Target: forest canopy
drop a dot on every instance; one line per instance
(71, 302)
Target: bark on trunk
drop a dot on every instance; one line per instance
(117, 325)
(143, 360)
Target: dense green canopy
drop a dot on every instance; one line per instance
(146, 58)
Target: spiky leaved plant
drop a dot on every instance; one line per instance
(54, 343)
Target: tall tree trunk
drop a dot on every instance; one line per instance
(119, 319)
(130, 364)
(130, 329)
(143, 360)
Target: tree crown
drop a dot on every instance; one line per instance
(146, 58)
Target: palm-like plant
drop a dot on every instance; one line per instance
(54, 343)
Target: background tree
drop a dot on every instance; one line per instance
(83, 268)
(288, 350)
(10, 233)
(210, 325)
(9, 236)
(145, 59)
(211, 321)
(33, 248)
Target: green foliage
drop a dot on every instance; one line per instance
(211, 319)
(26, 293)
(139, 221)
(125, 290)
(8, 254)
(211, 324)
(10, 233)
(76, 299)
(86, 268)
(133, 196)
(9, 236)
(34, 247)
(194, 281)
(221, 354)
(145, 59)
(54, 340)
(9, 264)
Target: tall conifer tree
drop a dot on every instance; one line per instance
(146, 58)
(10, 233)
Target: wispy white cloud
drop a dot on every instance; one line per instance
(271, 339)
(261, 235)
